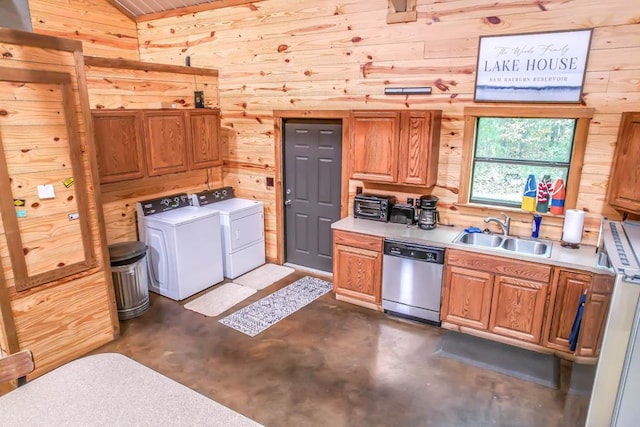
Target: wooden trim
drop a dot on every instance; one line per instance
(278, 123)
(356, 301)
(12, 230)
(577, 161)
(531, 111)
(6, 314)
(83, 94)
(71, 122)
(94, 61)
(25, 38)
(34, 76)
(279, 116)
(468, 143)
(194, 9)
(122, 10)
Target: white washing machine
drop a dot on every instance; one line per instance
(242, 223)
(185, 249)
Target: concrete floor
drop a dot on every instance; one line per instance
(336, 364)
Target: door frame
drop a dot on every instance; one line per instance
(279, 117)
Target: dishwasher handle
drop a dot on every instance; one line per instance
(414, 252)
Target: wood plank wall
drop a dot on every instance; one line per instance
(120, 85)
(103, 30)
(319, 54)
(63, 319)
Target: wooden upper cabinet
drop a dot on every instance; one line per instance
(518, 308)
(119, 145)
(205, 148)
(624, 184)
(419, 148)
(396, 147)
(374, 145)
(165, 142)
(567, 287)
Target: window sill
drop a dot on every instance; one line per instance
(478, 208)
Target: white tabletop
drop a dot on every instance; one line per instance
(111, 390)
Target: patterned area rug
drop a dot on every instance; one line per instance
(260, 315)
(220, 299)
(263, 276)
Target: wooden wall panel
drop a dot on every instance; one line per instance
(103, 30)
(119, 198)
(318, 55)
(111, 88)
(65, 318)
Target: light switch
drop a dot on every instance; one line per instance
(46, 191)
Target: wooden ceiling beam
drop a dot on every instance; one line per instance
(194, 9)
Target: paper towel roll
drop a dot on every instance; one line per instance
(573, 224)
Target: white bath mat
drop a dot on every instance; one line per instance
(263, 276)
(220, 299)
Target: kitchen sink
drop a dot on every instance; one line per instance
(505, 243)
(478, 239)
(523, 246)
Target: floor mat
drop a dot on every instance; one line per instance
(220, 299)
(539, 368)
(263, 276)
(262, 314)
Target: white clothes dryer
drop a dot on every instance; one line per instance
(185, 250)
(242, 223)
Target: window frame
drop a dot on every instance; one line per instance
(583, 118)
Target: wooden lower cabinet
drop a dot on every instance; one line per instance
(466, 298)
(566, 290)
(501, 296)
(595, 314)
(517, 308)
(357, 266)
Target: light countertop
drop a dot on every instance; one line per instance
(583, 258)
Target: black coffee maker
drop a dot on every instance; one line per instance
(429, 216)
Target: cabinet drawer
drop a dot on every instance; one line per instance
(499, 265)
(363, 241)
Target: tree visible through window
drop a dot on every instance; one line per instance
(503, 145)
(509, 149)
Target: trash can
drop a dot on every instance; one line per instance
(130, 280)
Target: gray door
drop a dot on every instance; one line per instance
(312, 178)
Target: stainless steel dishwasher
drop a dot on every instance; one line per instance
(412, 280)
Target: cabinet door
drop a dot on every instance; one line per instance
(419, 146)
(595, 315)
(118, 136)
(204, 138)
(624, 184)
(567, 288)
(165, 142)
(466, 299)
(374, 145)
(517, 309)
(357, 266)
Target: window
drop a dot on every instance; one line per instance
(503, 146)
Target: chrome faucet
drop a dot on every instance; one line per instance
(503, 224)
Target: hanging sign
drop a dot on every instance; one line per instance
(539, 67)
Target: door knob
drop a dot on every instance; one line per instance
(287, 202)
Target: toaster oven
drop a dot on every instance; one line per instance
(373, 206)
